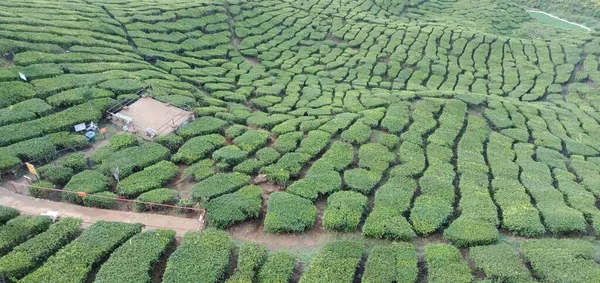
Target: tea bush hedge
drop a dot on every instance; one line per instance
(336, 262)
(251, 257)
(316, 184)
(278, 268)
(158, 196)
(88, 181)
(391, 263)
(344, 211)
(289, 213)
(7, 213)
(197, 148)
(500, 262)
(444, 264)
(19, 229)
(228, 209)
(152, 177)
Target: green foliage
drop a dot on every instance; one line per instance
(358, 133)
(92, 246)
(314, 142)
(101, 200)
(391, 263)
(132, 159)
(252, 140)
(218, 185)
(19, 229)
(468, 232)
(444, 264)
(361, 180)
(235, 131)
(198, 148)
(375, 157)
(171, 141)
(158, 196)
(339, 156)
(289, 213)
(24, 258)
(229, 209)
(134, 260)
(230, 155)
(88, 181)
(278, 268)
(500, 262)
(151, 177)
(344, 211)
(316, 184)
(38, 189)
(201, 257)
(251, 257)
(75, 161)
(7, 213)
(57, 175)
(202, 126)
(200, 170)
(117, 142)
(336, 262)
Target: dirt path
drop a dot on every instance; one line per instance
(560, 19)
(28, 205)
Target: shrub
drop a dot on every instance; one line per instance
(201, 257)
(75, 161)
(200, 170)
(94, 244)
(412, 160)
(202, 126)
(134, 260)
(218, 185)
(37, 189)
(288, 142)
(388, 140)
(88, 181)
(171, 141)
(361, 180)
(101, 200)
(336, 262)
(132, 159)
(344, 211)
(358, 133)
(252, 140)
(289, 213)
(444, 264)
(391, 263)
(157, 196)
(314, 142)
(151, 177)
(198, 148)
(251, 257)
(7, 213)
(339, 156)
(375, 157)
(500, 262)
(19, 229)
(278, 268)
(464, 232)
(120, 141)
(184, 205)
(396, 117)
(230, 155)
(26, 257)
(229, 209)
(57, 175)
(235, 131)
(315, 184)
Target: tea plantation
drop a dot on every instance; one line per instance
(452, 140)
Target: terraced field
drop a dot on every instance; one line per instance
(462, 136)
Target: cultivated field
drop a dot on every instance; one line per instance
(427, 140)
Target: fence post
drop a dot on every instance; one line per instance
(14, 187)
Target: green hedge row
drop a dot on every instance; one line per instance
(24, 111)
(7, 213)
(88, 181)
(288, 166)
(218, 185)
(314, 143)
(589, 172)
(500, 262)
(229, 156)
(120, 141)
(91, 247)
(336, 262)
(135, 259)
(338, 123)
(344, 211)
(391, 263)
(201, 257)
(518, 214)
(423, 121)
(101, 200)
(278, 268)
(392, 200)
(316, 184)
(152, 177)
(289, 213)
(252, 140)
(450, 123)
(358, 133)
(412, 160)
(228, 209)
(444, 264)
(578, 197)
(159, 196)
(202, 126)
(562, 260)
(19, 229)
(251, 257)
(337, 158)
(198, 148)
(133, 159)
(26, 257)
(396, 117)
(435, 204)
(375, 157)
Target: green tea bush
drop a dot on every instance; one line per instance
(93, 245)
(465, 231)
(38, 189)
(152, 177)
(337, 158)
(75, 161)
(251, 257)
(289, 213)
(7, 213)
(19, 229)
(396, 117)
(158, 196)
(375, 157)
(278, 268)
(132, 159)
(26, 257)
(235, 131)
(57, 175)
(198, 148)
(316, 184)
(391, 263)
(201, 257)
(444, 264)
(202, 126)
(171, 141)
(500, 262)
(388, 140)
(134, 260)
(358, 133)
(218, 185)
(336, 262)
(88, 181)
(288, 142)
(101, 200)
(289, 165)
(562, 260)
(314, 142)
(252, 140)
(230, 155)
(229, 209)
(344, 211)
(518, 214)
(361, 180)
(120, 141)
